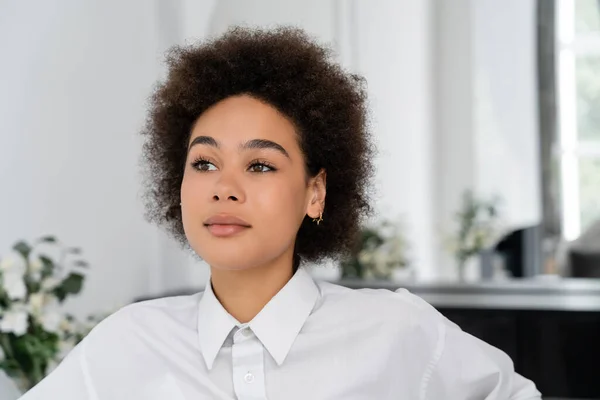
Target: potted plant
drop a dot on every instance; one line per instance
(35, 332)
(380, 250)
(479, 226)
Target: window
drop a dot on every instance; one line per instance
(578, 147)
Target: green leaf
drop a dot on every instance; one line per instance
(33, 287)
(46, 260)
(73, 283)
(10, 366)
(23, 248)
(6, 346)
(81, 263)
(47, 239)
(48, 268)
(60, 293)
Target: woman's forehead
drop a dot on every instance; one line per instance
(240, 119)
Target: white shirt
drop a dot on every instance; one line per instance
(311, 341)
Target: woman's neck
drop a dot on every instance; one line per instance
(243, 293)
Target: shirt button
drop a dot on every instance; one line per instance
(249, 378)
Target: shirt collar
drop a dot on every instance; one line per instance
(214, 324)
(277, 325)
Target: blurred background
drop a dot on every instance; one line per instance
(486, 114)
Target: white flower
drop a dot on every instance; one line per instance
(15, 320)
(397, 251)
(35, 264)
(14, 262)
(366, 257)
(66, 326)
(51, 321)
(50, 283)
(46, 308)
(36, 303)
(381, 263)
(12, 271)
(470, 242)
(14, 285)
(6, 264)
(51, 315)
(35, 268)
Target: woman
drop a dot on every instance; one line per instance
(258, 158)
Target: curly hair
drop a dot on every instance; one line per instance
(285, 68)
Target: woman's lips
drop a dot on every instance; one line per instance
(220, 230)
(224, 225)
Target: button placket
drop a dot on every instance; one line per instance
(248, 366)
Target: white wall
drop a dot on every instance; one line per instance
(389, 42)
(315, 16)
(179, 22)
(452, 107)
(486, 110)
(74, 78)
(394, 53)
(505, 106)
(454, 157)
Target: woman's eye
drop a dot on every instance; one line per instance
(260, 167)
(203, 165)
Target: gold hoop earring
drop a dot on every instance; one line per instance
(318, 220)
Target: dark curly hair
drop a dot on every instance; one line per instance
(285, 68)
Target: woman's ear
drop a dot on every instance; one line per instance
(317, 190)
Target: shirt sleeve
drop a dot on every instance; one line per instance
(69, 380)
(462, 367)
(468, 368)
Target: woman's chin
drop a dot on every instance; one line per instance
(231, 266)
(229, 261)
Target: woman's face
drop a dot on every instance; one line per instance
(245, 190)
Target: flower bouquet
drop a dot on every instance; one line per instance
(35, 332)
(379, 251)
(479, 228)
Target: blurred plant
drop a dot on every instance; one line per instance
(35, 332)
(479, 227)
(379, 250)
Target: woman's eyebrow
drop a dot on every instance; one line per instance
(251, 144)
(205, 140)
(264, 144)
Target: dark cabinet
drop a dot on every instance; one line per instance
(558, 350)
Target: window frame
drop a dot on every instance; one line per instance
(568, 149)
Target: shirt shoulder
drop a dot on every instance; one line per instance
(143, 326)
(406, 327)
(400, 305)
(126, 354)
(153, 312)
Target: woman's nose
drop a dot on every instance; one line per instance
(216, 197)
(228, 188)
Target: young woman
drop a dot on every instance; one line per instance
(258, 157)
